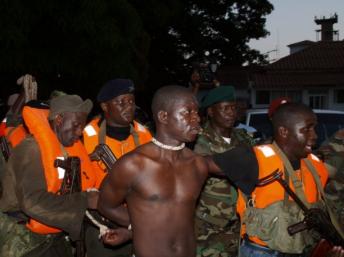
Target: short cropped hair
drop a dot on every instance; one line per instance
(165, 96)
(286, 114)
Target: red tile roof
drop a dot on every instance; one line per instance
(319, 65)
(320, 55)
(298, 80)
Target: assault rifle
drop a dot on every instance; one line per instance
(314, 217)
(72, 179)
(71, 184)
(5, 149)
(103, 153)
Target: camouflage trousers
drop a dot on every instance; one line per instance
(17, 241)
(213, 241)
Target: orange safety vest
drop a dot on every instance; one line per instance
(14, 135)
(50, 148)
(269, 161)
(119, 148)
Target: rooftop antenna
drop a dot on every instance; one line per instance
(326, 31)
(277, 45)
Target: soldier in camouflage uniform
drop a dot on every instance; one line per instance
(217, 225)
(333, 152)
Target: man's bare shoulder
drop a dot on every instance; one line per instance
(138, 163)
(129, 167)
(201, 162)
(148, 154)
(136, 158)
(189, 154)
(143, 152)
(198, 161)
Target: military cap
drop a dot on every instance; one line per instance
(277, 103)
(114, 88)
(218, 94)
(56, 93)
(69, 103)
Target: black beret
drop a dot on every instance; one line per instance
(114, 88)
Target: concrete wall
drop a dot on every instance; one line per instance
(306, 94)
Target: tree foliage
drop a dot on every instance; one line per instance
(79, 41)
(86, 42)
(222, 28)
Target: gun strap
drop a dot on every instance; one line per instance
(4, 148)
(289, 172)
(64, 152)
(333, 218)
(286, 196)
(102, 132)
(9, 133)
(135, 135)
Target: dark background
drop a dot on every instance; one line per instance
(77, 45)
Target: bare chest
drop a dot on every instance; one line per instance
(177, 183)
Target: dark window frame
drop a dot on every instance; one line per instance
(339, 96)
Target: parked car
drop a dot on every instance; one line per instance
(329, 121)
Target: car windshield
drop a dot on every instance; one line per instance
(328, 124)
(262, 124)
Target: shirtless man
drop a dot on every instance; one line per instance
(161, 180)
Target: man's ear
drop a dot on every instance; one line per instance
(162, 117)
(104, 107)
(283, 132)
(58, 119)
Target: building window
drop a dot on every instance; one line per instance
(339, 96)
(318, 98)
(294, 95)
(262, 97)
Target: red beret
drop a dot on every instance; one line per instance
(276, 103)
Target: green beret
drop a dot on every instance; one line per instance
(219, 94)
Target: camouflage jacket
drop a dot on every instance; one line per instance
(218, 198)
(336, 158)
(335, 185)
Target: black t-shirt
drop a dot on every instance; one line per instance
(118, 133)
(240, 166)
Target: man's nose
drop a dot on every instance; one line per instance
(313, 135)
(196, 118)
(231, 110)
(128, 105)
